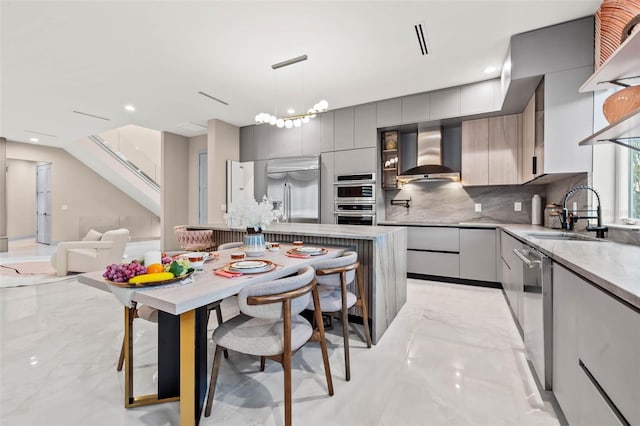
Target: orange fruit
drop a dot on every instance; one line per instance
(155, 268)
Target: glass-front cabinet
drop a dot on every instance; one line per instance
(389, 159)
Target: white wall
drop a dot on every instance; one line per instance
(197, 145)
(174, 188)
(140, 145)
(87, 195)
(21, 198)
(223, 144)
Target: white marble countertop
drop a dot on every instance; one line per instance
(613, 266)
(205, 287)
(357, 232)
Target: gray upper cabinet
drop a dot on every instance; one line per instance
(285, 142)
(568, 118)
(365, 132)
(479, 97)
(415, 108)
(389, 112)
(343, 129)
(355, 161)
(261, 139)
(327, 135)
(312, 136)
(259, 179)
(444, 103)
(247, 144)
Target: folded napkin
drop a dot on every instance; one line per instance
(299, 256)
(227, 274)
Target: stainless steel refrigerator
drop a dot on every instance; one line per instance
(293, 185)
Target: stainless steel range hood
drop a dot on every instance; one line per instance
(429, 166)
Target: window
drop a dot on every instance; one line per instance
(627, 184)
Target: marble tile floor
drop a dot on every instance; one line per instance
(453, 356)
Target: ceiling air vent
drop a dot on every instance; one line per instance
(92, 115)
(422, 41)
(193, 127)
(206, 95)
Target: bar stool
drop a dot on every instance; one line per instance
(333, 276)
(270, 326)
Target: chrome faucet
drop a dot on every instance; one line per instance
(568, 218)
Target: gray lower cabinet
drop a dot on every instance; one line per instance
(512, 278)
(596, 346)
(478, 254)
(327, 197)
(433, 251)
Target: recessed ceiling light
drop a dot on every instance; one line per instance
(489, 70)
(291, 111)
(33, 139)
(130, 108)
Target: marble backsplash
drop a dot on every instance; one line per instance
(450, 202)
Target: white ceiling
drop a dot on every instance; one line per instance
(97, 56)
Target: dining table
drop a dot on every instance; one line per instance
(182, 320)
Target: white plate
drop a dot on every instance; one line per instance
(249, 264)
(203, 255)
(308, 250)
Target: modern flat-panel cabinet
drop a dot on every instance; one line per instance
(343, 128)
(475, 152)
(491, 150)
(528, 166)
(327, 197)
(512, 275)
(365, 130)
(444, 103)
(433, 251)
(478, 254)
(596, 346)
(355, 161)
(389, 112)
(415, 108)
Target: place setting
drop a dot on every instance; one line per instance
(239, 268)
(306, 252)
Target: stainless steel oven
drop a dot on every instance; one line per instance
(355, 188)
(355, 199)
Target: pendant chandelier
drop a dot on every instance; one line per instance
(296, 120)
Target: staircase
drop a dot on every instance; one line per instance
(116, 168)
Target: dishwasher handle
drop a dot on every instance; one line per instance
(522, 255)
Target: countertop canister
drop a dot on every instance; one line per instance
(536, 210)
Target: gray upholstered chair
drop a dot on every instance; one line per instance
(227, 246)
(270, 326)
(334, 277)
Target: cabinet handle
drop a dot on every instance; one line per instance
(530, 263)
(603, 394)
(534, 165)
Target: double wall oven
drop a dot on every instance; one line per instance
(355, 199)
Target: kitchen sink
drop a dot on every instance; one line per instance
(562, 236)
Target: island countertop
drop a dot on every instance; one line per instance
(356, 232)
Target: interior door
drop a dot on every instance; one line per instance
(43, 203)
(239, 181)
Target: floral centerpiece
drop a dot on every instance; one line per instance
(248, 213)
(254, 217)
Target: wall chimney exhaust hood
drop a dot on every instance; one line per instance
(429, 167)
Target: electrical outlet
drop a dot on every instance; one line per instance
(478, 207)
(517, 206)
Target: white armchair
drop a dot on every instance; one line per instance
(87, 256)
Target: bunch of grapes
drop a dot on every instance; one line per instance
(121, 273)
(166, 259)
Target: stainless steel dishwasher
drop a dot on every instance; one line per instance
(538, 313)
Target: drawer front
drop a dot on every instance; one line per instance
(439, 239)
(609, 344)
(507, 244)
(430, 263)
(592, 407)
(478, 254)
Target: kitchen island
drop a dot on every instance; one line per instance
(382, 251)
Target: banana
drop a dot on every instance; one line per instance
(149, 278)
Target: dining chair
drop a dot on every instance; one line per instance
(334, 277)
(151, 314)
(270, 326)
